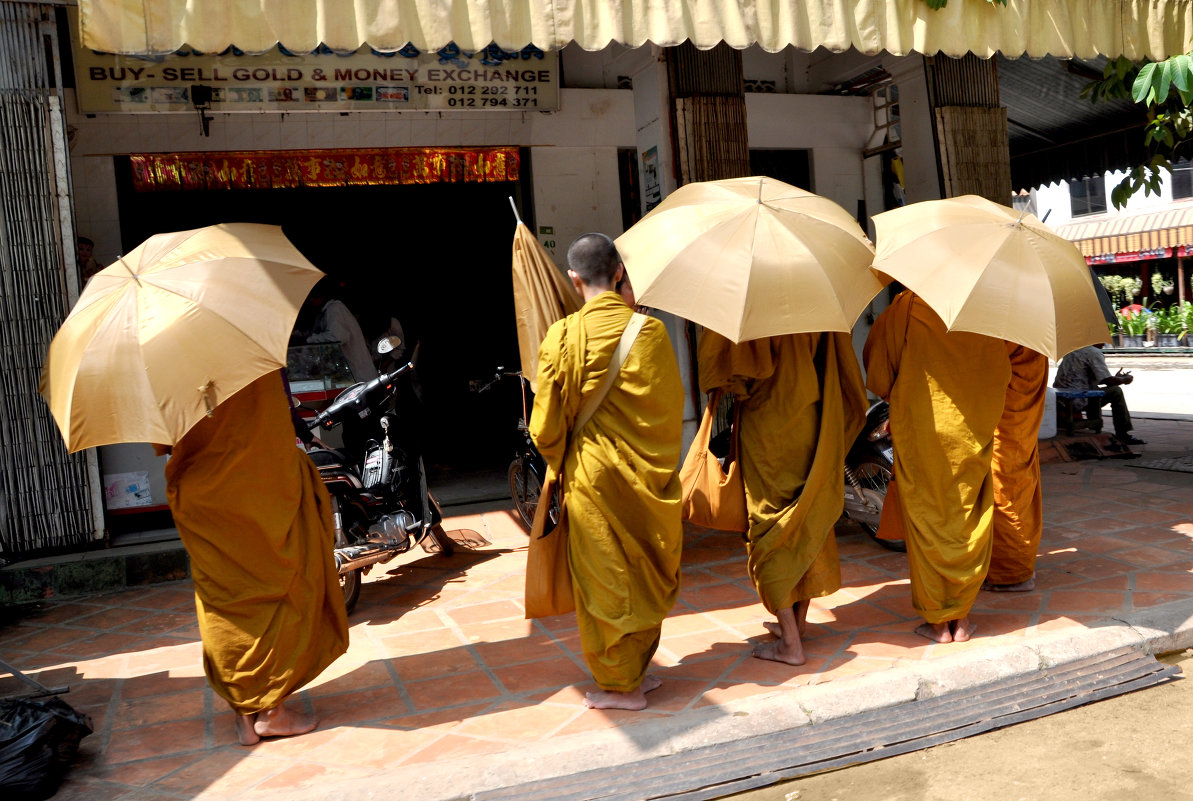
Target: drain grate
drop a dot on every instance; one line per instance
(734, 767)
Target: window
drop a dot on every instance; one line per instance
(1182, 180)
(1088, 195)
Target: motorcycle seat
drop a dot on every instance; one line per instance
(328, 458)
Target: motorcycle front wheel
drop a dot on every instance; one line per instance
(875, 476)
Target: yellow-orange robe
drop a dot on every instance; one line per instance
(802, 403)
(256, 522)
(1018, 505)
(621, 486)
(946, 391)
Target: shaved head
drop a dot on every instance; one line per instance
(594, 258)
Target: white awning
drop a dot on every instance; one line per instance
(1063, 28)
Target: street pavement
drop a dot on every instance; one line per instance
(446, 690)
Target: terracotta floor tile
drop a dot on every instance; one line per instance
(1117, 583)
(586, 720)
(1100, 525)
(542, 675)
(518, 722)
(724, 693)
(860, 615)
(489, 612)
(47, 639)
(1164, 582)
(157, 684)
(76, 788)
(766, 672)
(452, 746)
(718, 596)
(705, 645)
(1143, 600)
(372, 748)
(512, 652)
(222, 773)
(53, 612)
(995, 624)
(113, 618)
(152, 709)
(445, 719)
(163, 739)
(1013, 600)
(305, 777)
(675, 695)
(174, 622)
(416, 620)
(435, 663)
(1086, 601)
(422, 642)
(687, 623)
(706, 669)
(1148, 557)
(143, 772)
(892, 642)
(445, 691)
(504, 630)
(360, 707)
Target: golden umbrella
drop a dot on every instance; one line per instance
(163, 335)
(989, 269)
(751, 258)
(542, 295)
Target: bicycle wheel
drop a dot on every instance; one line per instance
(525, 488)
(875, 476)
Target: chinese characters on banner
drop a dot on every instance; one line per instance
(286, 169)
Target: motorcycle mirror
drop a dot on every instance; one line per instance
(388, 344)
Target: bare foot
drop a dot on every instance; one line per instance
(962, 629)
(245, 733)
(282, 721)
(611, 699)
(789, 647)
(1022, 586)
(776, 652)
(936, 632)
(773, 627)
(650, 683)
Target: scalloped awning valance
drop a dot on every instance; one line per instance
(1063, 28)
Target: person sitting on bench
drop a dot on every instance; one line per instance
(1085, 369)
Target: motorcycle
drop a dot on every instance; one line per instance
(381, 505)
(869, 466)
(527, 469)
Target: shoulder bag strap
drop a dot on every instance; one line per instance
(623, 347)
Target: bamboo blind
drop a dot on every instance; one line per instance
(974, 158)
(44, 492)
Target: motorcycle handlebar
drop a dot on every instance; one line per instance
(382, 380)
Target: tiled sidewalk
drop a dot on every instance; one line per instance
(443, 665)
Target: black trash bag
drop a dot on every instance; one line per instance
(38, 741)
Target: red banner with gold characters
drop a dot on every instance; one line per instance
(289, 169)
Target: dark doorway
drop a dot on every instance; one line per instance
(789, 166)
(435, 256)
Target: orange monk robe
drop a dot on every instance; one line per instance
(621, 487)
(802, 404)
(1018, 507)
(946, 391)
(256, 522)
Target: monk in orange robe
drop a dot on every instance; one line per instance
(802, 403)
(946, 390)
(256, 522)
(1018, 507)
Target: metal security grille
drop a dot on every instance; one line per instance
(45, 494)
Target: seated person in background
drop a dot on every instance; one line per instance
(88, 266)
(1085, 369)
(335, 323)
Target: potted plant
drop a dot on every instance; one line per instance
(1169, 325)
(1113, 284)
(1134, 286)
(1134, 326)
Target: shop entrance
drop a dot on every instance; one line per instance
(436, 256)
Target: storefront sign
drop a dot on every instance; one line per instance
(451, 79)
(288, 169)
(1134, 255)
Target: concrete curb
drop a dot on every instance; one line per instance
(1162, 629)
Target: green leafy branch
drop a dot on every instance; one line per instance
(1166, 89)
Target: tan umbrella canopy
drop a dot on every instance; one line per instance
(542, 295)
(177, 326)
(751, 258)
(986, 268)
